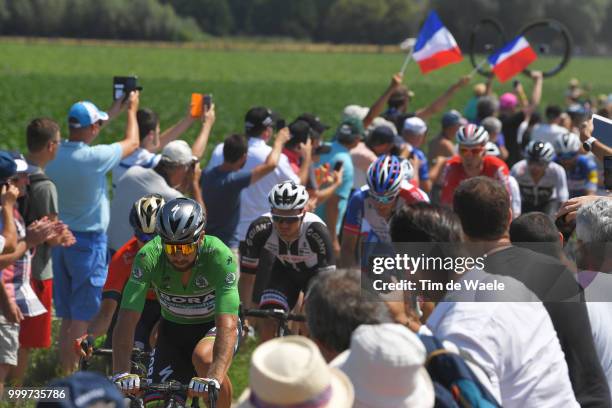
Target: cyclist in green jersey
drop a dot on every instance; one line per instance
(194, 277)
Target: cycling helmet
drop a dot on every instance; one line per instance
(288, 196)
(471, 135)
(144, 213)
(539, 151)
(568, 144)
(385, 176)
(180, 221)
(491, 149)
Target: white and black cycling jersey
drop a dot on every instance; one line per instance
(312, 251)
(547, 194)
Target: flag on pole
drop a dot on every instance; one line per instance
(435, 46)
(512, 58)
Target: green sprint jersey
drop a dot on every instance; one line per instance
(211, 290)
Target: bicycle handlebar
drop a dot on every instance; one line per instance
(279, 314)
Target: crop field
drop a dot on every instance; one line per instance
(44, 79)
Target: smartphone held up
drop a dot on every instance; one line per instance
(198, 102)
(123, 85)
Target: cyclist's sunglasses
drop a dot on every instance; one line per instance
(474, 151)
(142, 237)
(383, 199)
(185, 249)
(289, 219)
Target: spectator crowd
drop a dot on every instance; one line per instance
(502, 172)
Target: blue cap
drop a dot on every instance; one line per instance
(85, 388)
(451, 118)
(8, 167)
(83, 114)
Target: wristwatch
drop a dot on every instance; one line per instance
(588, 143)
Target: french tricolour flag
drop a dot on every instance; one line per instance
(512, 58)
(435, 46)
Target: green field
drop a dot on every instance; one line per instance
(45, 79)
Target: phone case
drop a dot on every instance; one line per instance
(197, 105)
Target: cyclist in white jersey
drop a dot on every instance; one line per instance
(542, 182)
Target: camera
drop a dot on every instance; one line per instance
(122, 86)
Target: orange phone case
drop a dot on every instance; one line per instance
(197, 105)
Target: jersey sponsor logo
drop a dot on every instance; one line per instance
(230, 278)
(137, 273)
(229, 260)
(166, 373)
(195, 306)
(201, 281)
(254, 231)
(320, 243)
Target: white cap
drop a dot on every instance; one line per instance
(415, 125)
(385, 363)
(355, 111)
(179, 152)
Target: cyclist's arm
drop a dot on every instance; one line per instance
(320, 242)
(123, 340)
(132, 303)
(223, 349)
(250, 250)
(448, 186)
(226, 309)
(101, 322)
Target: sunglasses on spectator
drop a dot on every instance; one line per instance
(464, 151)
(142, 237)
(185, 249)
(289, 219)
(383, 199)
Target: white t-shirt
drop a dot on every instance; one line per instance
(547, 132)
(135, 183)
(254, 199)
(2, 242)
(140, 157)
(516, 345)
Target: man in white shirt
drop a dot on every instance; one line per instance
(152, 140)
(515, 342)
(594, 234)
(550, 131)
(259, 128)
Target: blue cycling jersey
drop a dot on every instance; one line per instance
(583, 177)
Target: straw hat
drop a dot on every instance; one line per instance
(385, 365)
(290, 371)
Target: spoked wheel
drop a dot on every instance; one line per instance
(552, 43)
(486, 36)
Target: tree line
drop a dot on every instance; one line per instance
(336, 21)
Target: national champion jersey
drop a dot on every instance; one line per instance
(454, 174)
(545, 196)
(583, 178)
(363, 218)
(211, 290)
(311, 251)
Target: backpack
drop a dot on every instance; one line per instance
(455, 385)
(24, 202)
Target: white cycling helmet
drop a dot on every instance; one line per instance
(491, 149)
(567, 144)
(471, 135)
(288, 196)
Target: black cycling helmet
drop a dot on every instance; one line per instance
(180, 221)
(539, 151)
